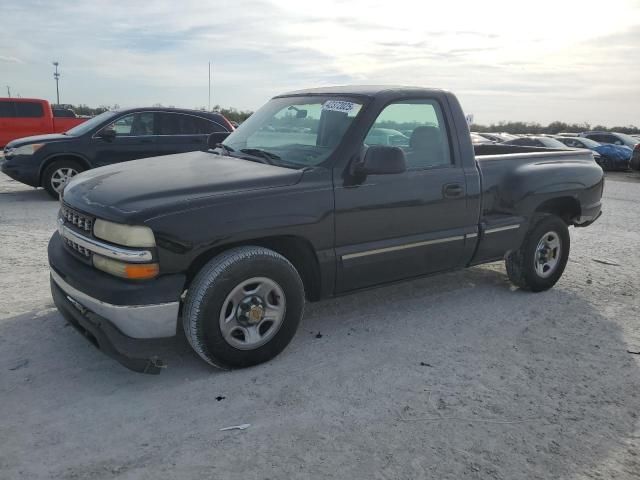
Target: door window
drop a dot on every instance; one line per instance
(29, 110)
(599, 137)
(6, 110)
(418, 128)
(204, 126)
(134, 125)
(179, 124)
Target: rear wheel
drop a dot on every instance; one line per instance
(541, 259)
(243, 308)
(58, 174)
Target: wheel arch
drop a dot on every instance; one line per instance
(298, 250)
(62, 156)
(566, 207)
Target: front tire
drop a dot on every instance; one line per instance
(243, 307)
(541, 259)
(58, 174)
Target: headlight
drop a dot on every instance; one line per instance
(134, 271)
(128, 235)
(25, 149)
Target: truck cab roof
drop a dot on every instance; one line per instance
(364, 90)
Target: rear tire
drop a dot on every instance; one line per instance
(541, 259)
(58, 174)
(243, 307)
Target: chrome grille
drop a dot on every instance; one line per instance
(77, 248)
(80, 220)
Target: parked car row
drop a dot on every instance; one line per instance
(50, 161)
(612, 150)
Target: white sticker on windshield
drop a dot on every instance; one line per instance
(338, 106)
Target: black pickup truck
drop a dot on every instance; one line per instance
(319, 193)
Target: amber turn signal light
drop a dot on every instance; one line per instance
(133, 271)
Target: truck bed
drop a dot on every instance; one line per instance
(493, 150)
(514, 180)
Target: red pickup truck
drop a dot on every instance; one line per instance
(23, 117)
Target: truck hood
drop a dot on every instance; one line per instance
(53, 137)
(136, 191)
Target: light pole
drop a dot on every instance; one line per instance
(209, 86)
(8, 91)
(56, 75)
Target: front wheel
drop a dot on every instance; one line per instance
(541, 259)
(58, 174)
(243, 308)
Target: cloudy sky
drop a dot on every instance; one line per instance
(566, 60)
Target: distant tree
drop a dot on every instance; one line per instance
(552, 128)
(233, 114)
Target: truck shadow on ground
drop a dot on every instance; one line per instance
(462, 356)
(28, 194)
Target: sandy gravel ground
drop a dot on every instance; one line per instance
(450, 377)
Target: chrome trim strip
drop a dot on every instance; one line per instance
(401, 247)
(136, 321)
(471, 235)
(502, 229)
(105, 249)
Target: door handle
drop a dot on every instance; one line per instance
(452, 190)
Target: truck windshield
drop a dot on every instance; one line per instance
(296, 131)
(90, 124)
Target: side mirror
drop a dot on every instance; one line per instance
(382, 160)
(300, 113)
(107, 134)
(216, 137)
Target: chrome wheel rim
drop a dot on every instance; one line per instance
(547, 254)
(252, 313)
(61, 177)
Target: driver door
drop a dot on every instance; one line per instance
(395, 226)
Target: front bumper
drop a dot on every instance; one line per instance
(22, 171)
(135, 321)
(135, 354)
(127, 320)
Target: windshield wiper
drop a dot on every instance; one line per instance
(257, 152)
(226, 150)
